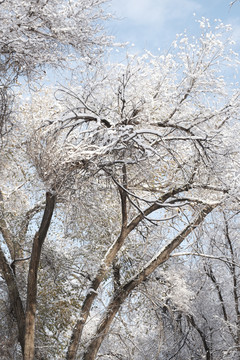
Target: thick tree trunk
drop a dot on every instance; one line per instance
(39, 238)
(125, 290)
(15, 300)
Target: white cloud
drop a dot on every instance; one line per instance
(151, 12)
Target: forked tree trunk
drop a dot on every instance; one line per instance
(106, 263)
(108, 260)
(125, 290)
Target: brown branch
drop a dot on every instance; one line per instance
(202, 336)
(27, 218)
(233, 2)
(7, 236)
(116, 275)
(32, 277)
(123, 195)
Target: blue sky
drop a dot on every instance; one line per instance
(153, 24)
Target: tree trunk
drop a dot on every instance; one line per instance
(15, 300)
(39, 238)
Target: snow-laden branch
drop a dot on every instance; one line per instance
(208, 256)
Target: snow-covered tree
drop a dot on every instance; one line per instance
(37, 35)
(158, 128)
(132, 159)
(41, 33)
(214, 275)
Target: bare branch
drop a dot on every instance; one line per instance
(208, 256)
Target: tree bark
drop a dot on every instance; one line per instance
(235, 282)
(14, 296)
(125, 290)
(38, 241)
(202, 336)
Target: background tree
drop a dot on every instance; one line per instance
(217, 300)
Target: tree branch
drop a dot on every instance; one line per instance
(6, 233)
